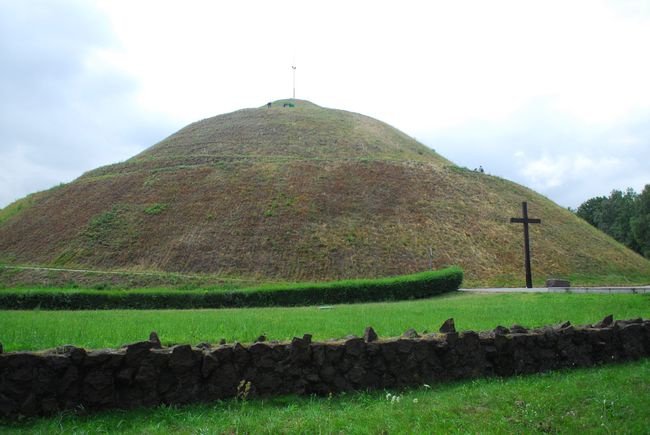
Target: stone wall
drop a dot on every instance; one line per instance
(147, 374)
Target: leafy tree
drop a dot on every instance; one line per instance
(590, 210)
(623, 215)
(640, 223)
(617, 213)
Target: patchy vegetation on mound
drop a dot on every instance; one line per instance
(302, 193)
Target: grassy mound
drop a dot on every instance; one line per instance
(301, 194)
(415, 286)
(32, 277)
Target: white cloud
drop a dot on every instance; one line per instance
(576, 177)
(62, 110)
(564, 158)
(553, 171)
(478, 81)
(19, 171)
(436, 64)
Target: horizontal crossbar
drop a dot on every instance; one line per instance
(523, 221)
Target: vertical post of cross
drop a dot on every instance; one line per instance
(294, 81)
(529, 274)
(526, 220)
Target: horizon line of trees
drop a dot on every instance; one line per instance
(623, 215)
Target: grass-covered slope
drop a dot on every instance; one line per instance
(302, 193)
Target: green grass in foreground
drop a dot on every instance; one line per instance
(23, 330)
(599, 400)
(605, 399)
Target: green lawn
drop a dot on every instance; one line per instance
(599, 400)
(605, 399)
(22, 330)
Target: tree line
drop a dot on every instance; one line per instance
(623, 215)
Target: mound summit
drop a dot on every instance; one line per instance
(299, 193)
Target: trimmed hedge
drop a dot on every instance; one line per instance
(416, 286)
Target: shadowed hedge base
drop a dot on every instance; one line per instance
(415, 286)
(148, 374)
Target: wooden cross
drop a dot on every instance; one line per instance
(526, 220)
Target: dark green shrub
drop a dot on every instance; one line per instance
(416, 286)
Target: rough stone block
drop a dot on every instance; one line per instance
(448, 326)
(369, 335)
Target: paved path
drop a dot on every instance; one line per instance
(609, 290)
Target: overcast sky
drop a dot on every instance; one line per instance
(554, 95)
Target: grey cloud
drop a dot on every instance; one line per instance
(58, 117)
(558, 156)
